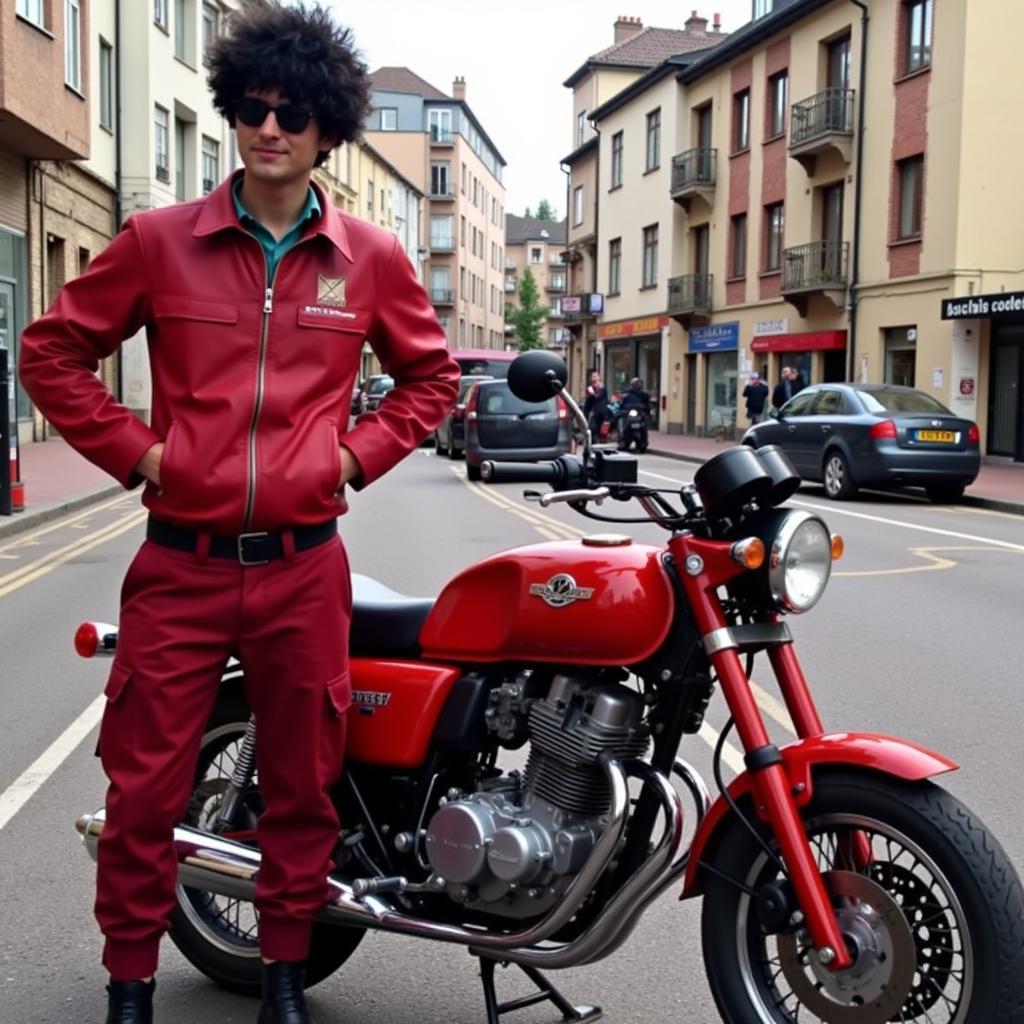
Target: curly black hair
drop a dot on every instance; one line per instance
(298, 50)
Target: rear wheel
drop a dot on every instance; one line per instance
(945, 494)
(935, 919)
(217, 934)
(837, 477)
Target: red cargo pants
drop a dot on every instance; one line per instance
(182, 616)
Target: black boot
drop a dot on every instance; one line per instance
(130, 1002)
(284, 1001)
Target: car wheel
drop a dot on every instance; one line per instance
(472, 472)
(944, 494)
(839, 483)
(437, 443)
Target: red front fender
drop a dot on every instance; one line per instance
(885, 754)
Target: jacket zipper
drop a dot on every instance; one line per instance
(268, 308)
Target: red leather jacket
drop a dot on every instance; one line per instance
(251, 384)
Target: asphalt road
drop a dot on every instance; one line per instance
(915, 637)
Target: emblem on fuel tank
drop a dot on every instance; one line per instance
(561, 590)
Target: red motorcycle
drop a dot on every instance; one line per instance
(840, 884)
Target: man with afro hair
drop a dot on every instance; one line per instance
(256, 301)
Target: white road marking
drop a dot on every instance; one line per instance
(23, 788)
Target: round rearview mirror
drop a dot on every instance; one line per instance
(537, 375)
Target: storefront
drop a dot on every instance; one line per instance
(819, 356)
(632, 348)
(1003, 314)
(717, 347)
(14, 270)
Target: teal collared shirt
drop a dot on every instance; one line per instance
(273, 248)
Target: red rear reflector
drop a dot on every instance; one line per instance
(87, 640)
(886, 429)
(973, 434)
(563, 410)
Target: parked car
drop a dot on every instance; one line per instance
(450, 436)
(372, 393)
(505, 428)
(873, 435)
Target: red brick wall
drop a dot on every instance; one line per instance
(773, 190)
(739, 202)
(776, 59)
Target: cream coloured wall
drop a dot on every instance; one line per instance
(102, 151)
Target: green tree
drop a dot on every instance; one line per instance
(529, 316)
(544, 211)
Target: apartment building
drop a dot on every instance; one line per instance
(438, 144)
(540, 246)
(636, 50)
(842, 201)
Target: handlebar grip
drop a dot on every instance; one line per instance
(563, 472)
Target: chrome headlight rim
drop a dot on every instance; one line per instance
(777, 560)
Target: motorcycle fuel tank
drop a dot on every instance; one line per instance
(600, 601)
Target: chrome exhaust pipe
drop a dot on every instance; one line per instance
(227, 868)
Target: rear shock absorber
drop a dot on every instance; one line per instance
(241, 780)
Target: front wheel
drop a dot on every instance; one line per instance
(219, 935)
(934, 919)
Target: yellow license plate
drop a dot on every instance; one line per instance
(940, 436)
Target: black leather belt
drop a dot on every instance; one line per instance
(244, 548)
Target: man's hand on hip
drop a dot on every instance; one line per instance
(350, 467)
(149, 464)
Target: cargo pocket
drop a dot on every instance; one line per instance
(117, 739)
(333, 728)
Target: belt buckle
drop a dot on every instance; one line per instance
(243, 559)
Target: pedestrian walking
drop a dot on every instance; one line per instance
(595, 404)
(756, 395)
(256, 301)
(783, 391)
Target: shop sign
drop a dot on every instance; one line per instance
(765, 327)
(973, 307)
(627, 328)
(809, 342)
(715, 338)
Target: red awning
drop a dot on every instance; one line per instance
(800, 342)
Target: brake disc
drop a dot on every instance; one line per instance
(875, 987)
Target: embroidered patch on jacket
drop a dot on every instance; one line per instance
(330, 291)
(331, 311)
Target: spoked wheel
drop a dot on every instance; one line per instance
(219, 935)
(934, 917)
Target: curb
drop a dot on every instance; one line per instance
(975, 500)
(21, 522)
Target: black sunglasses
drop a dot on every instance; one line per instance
(252, 111)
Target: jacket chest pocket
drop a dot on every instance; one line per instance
(190, 322)
(345, 324)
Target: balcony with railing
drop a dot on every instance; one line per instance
(582, 307)
(555, 284)
(693, 176)
(689, 298)
(442, 243)
(819, 268)
(820, 124)
(442, 193)
(441, 136)
(442, 296)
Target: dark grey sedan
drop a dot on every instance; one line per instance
(450, 436)
(502, 427)
(873, 435)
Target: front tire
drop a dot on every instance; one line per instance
(838, 479)
(941, 936)
(945, 494)
(218, 935)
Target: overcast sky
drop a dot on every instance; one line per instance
(514, 55)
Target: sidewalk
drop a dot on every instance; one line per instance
(58, 480)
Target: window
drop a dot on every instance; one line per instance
(73, 44)
(31, 10)
(615, 266)
(650, 274)
(900, 355)
(911, 178)
(369, 197)
(918, 54)
(180, 161)
(617, 160)
(389, 119)
(577, 205)
(211, 25)
(439, 124)
(185, 31)
(161, 126)
(738, 264)
(106, 110)
(653, 140)
(439, 179)
(83, 260)
(778, 96)
(211, 164)
(462, 232)
(741, 121)
(536, 254)
(160, 13)
(581, 127)
(441, 228)
(774, 223)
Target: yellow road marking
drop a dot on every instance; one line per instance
(20, 577)
(933, 561)
(31, 538)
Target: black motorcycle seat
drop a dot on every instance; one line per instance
(385, 624)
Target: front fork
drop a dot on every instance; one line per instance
(705, 566)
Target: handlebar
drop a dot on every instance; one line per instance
(565, 471)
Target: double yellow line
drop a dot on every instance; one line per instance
(41, 566)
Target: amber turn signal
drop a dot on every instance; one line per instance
(749, 553)
(838, 547)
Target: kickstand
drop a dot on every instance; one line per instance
(545, 992)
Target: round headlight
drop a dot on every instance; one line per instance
(799, 562)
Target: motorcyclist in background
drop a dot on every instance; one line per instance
(633, 429)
